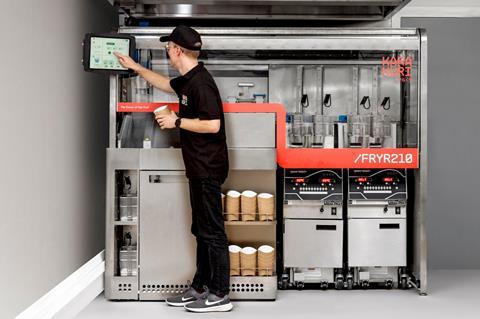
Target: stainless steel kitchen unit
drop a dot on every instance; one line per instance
(163, 249)
(345, 91)
(377, 227)
(313, 227)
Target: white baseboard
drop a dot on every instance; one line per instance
(70, 296)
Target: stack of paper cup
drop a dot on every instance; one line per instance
(266, 258)
(266, 206)
(162, 110)
(234, 253)
(248, 261)
(232, 204)
(249, 205)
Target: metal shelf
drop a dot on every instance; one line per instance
(250, 223)
(125, 223)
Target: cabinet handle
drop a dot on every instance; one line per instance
(154, 179)
(326, 227)
(389, 226)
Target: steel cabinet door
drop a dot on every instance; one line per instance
(167, 247)
(313, 243)
(377, 242)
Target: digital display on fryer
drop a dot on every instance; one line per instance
(326, 180)
(102, 49)
(388, 179)
(300, 180)
(362, 179)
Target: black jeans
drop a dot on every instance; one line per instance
(213, 264)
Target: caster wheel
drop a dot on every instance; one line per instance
(299, 285)
(324, 285)
(283, 283)
(389, 284)
(339, 284)
(404, 283)
(349, 283)
(364, 284)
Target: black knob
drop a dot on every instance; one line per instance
(321, 209)
(385, 209)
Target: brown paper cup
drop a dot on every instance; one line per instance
(248, 261)
(232, 203)
(162, 110)
(248, 205)
(234, 253)
(266, 206)
(266, 260)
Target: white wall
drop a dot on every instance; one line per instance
(54, 128)
(454, 146)
(437, 8)
(444, 3)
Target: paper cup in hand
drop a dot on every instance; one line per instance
(232, 204)
(234, 253)
(248, 205)
(266, 260)
(162, 110)
(248, 261)
(266, 206)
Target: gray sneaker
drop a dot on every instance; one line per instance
(210, 304)
(188, 296)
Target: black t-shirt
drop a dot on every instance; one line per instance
(205, 154)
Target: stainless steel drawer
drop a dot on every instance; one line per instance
(377, 242)
(313, 243)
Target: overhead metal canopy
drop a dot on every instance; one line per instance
(353, 10)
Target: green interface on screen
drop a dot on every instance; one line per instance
(101, 52)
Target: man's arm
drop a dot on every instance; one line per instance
(157, 80)
(193, 125)
(200, 126)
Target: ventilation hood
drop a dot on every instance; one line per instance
(327, 10)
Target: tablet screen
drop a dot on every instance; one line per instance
(101, 52)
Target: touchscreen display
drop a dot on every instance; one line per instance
(101, 52)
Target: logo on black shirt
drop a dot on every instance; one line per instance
(184, 100)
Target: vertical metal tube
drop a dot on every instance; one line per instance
(114, 93)
(421, 240)
(355, 86)
(320, 82)
(375, 88)
(299, 88)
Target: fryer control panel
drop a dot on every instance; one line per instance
(377, 184)
(313, 184)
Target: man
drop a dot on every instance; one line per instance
(204, 149)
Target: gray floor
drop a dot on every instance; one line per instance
(452, 294)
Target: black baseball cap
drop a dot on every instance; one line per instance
(185, 37)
